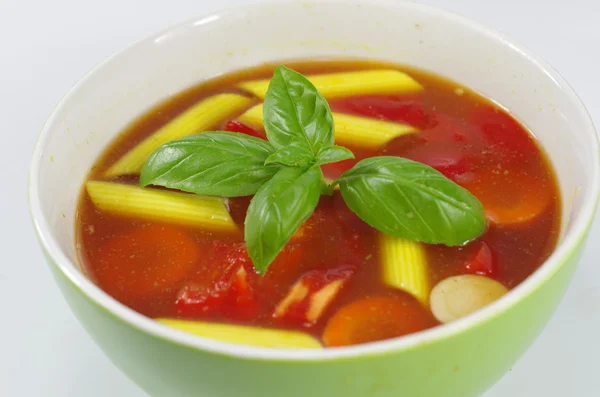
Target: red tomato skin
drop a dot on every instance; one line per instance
(236, 126)
(482, 262)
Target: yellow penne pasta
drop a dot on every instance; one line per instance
(366, 132)
(339, 85)
(198, 118)
(161, 205)
(253, 116)
(245, 335)
(349, 130)
(405, 266)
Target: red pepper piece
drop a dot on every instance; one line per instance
(236, 126)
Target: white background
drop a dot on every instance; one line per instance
(46, 46)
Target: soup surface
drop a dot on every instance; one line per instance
(330, 280)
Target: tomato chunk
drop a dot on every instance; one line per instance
(283, 271)
(482, 262)
(449, 146)
(503, 134)
(450, 130)
(335, 170)
(228, 285)
(347, 220)
(145, 261)
(314, 223)
(403, 109)
(376, 318)
(226, 290)
(197, 300)
(242, 302)
(449, 160)
(236, 126)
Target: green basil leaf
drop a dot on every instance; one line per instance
(408, 199)
(295, 112)
(291, 156)
(277, 211)
(216, 163)
(333, 154)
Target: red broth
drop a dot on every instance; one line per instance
(174, 271)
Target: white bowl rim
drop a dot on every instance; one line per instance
(144, 324)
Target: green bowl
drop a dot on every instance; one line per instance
(461, 359)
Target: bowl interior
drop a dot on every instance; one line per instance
(117, 91)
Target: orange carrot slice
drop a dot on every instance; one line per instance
(145, 261)
(376, 318)
(510, 196)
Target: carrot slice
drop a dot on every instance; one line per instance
(510, 197)
(145, 261)
(375, 318)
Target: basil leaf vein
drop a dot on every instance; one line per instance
(277, 211)
(408, 199)
(295, 112)
(215, 163)
(293, 155)
(333, 154)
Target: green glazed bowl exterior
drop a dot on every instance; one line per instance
(461, 359)
(462, 365)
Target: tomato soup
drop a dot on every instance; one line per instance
(338, 280)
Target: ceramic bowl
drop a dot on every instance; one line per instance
(457, 360)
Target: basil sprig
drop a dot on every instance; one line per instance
(397, 196)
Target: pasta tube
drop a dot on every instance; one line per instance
(339, 85)
(245, 335)
(405, 266)
(196, 119)
(161, 205)
(349, 130)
